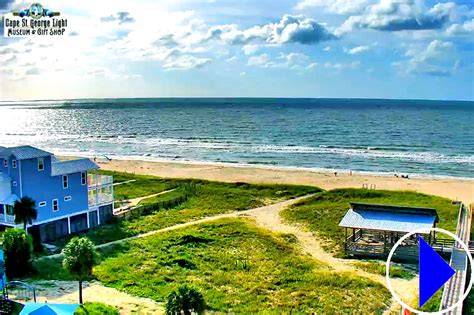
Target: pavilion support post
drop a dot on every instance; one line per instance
(353, 235)
(345, 239)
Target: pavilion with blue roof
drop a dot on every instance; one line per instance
(373, 229)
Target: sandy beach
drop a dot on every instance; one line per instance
(456, 189)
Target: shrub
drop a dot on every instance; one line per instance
(95, 308)
(18, 248)
(185, 299)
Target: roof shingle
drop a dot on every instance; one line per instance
(72, 166)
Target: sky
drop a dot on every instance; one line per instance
(263, 48)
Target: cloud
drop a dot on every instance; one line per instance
(334, 6)
(186, 62)
(290, 29)
(312, 66)
(338, 66)
(260, 60)
(460, 29)
(121, 17)
(399, 15)
(432, 60)
(357, 50)
(250, 49)
(289, 61)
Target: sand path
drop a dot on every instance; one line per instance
(134, 202)
(266, 217)
(66, 292)
(270, 218)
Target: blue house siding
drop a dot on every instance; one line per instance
(75, 212)
(40, 186)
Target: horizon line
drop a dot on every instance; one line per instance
(234, 97)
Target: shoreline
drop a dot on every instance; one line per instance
(275, 167)
(459, 189)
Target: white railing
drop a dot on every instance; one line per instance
(97, 180)
(7, 218)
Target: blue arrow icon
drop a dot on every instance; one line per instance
(434, 272)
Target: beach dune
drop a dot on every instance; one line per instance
(452, 188)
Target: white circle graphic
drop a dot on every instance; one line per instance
(427, 231)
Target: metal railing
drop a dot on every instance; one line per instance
(7, 218)
(97, 180)
(455, 287)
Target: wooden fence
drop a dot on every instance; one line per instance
(189, 190)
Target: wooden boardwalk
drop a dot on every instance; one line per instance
(454, 288)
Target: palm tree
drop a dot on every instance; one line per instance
(79, 259)
(25, 211)
(185, 299)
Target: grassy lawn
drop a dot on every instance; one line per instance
(323, 212)
(238, 267)
(210, 198)
(377, 267)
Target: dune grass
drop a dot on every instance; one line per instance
(377, 267)
(208, 198)
(323, 212)
(238, 267)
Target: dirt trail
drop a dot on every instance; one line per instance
(134, 202)
(66, 292)
(269, 218)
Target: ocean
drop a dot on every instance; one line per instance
(434, 138)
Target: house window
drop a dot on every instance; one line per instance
(65, 181)
(55, 205)
(67, 198)
(5, 163)
(14, 184)
(42, 204)
(40, 164)
(83, 178)
(14, 163)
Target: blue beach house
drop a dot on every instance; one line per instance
(70, 196)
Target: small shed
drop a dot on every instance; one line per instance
(373, 229)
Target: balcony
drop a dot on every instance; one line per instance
(101, 190)
(5, 218)
(95, 181)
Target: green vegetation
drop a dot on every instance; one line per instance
(377, 267)
(18, 249)
(25, 211)
(209, 198)
(94, 308)
(79, 259)
(323, 212)
(238, 268)
(185, 300)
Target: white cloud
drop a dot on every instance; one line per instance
(334, 6)
(460, 29)
(357, 50)
(260, 60)
(291, 61)
(290, 29)
(338, 66)
(431, 60)
(250, 49)
(399, 15)
(186, 62)
(312, 66)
